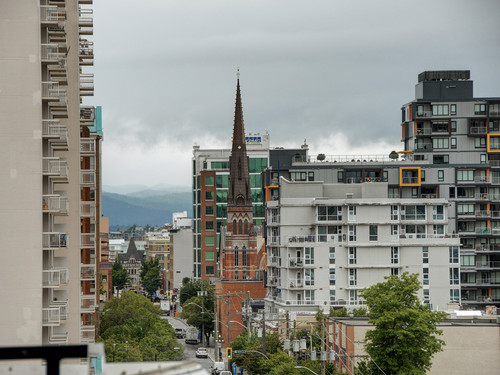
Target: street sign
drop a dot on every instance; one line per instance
(239, 351)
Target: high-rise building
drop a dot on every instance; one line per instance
(50, 178)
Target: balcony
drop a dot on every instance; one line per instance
(488, 265)
(55, 168)
(55, 277)
(51, 316)
(87, 240)
(55, 204)
(87, 115)
(273, 281)
(410, 176)
(58, 338)
(87, 303)
(56, 133)
(274, 262)
(50, 14)
(87, 209)
(54, 240)
(478, 130)
(273, 240)
(51, 91)
(52, 55)
(87, 272)
(63, 308)
(300, 240)
(87, 333)
(86, 84)
(86, 52)
(87, 146)
(482, 196)
(296, 262)
(87, 178)
(424, 131)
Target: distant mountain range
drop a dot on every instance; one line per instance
(151, 206)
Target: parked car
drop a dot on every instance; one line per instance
(179, 333)
(201, 353)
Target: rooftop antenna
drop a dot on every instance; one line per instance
(238, 73)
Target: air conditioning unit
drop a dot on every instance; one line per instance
(351, 256)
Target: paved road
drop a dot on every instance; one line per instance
(189, 349)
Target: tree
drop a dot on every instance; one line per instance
(119, 276)
(394, 155)
(151, 275)
(191, 308)
(321, 157)
(132, 330)
(404, 339)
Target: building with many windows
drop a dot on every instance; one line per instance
(326, 242)
(51, 206)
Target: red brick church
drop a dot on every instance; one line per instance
(242, 247)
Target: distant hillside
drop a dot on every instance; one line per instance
(153, 209)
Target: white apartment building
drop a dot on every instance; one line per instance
(326, 242)
(50, 174)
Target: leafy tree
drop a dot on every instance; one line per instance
(132, 330)
(344, 313)
(191, 308)
(119, 276)
(151, 275)
(404, 339)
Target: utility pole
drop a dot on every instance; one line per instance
(229, 361)
(264, 331)
(248, 315)
(323, 345)
(216, 343)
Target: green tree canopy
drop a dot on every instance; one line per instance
(404, 339)
(133, 324)
(151, 275)
(191, 308)
(119, 276)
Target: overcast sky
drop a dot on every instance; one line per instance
(333, 72)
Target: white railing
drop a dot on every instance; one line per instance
(478, 130)
(273, 240)
(51, 316)
(87, 113)
(87, 177)
(50, 13)
(87, 334)
(300, 283)
(86, 48)
(54, 240)
(87, 81)
(55, 166)
(363, 159)
(300, 239)
(50, 89)
(63, 308)
(55, 277)
(424, 236)
(87, 302)
(55, 203)
(85, 16)
(87, 145)
(57, 338)
(50, 52)
(296, 262)
(87, 272)
(87, 209)
(53, 129)
(87, 240)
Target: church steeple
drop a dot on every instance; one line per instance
(239, 193)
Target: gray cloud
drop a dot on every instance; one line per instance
(165, 70)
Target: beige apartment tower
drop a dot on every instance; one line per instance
(49, 178)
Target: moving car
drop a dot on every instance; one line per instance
(179, 333)
(201, 353)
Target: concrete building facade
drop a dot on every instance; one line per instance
(49, 214)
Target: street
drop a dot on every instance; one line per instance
(190, 350)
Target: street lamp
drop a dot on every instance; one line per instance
(307, 369)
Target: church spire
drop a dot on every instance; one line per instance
(239, 192)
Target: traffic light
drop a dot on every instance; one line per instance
(229, 353)
(169, 294)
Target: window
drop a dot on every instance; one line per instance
(255, 181)
(393, 192)
(494, 109)
(480, 142)
(257, 165)
(332, 276)
(352, 213)
(244, 256)
(329, 213)
(438, 143)
(463, 175)
(468, 260)
(209, 255)
(309, 276)
(353, 277)
(221, 196)
(219, 165)
(425, 276)
(236, 257)
(453, 126)
(422, 176)
(352, 233)
(482, 159)
(463, 192)
(465, 209)
(327, 232)
(209, 181)
(332, 296)
(373, 233)
(394, 212)
(332, 255)
(394, 255)
(209, 210)
(352, 255)
(440, 175)
(209, 240)
(209, 225)
(309, 296)
(441, 159)
(222, 181)
(454, 276)
(298, 176)
(425, 255)
(453, 109)
(438, 212)
(452, 192)
(310, 176)
(479, 109)
(395, 271)
(440, 110)
(453, 143)
(340, 176)
(455, 295)
(412, 212)
(420, 110)
(426, 296)
(309, 255)
(454, 254)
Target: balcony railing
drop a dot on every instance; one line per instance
(55, 204)
(483, 230)
(57, 338)
(86, 52)
(296, 262)
(482, 196)
(480, 130)
(50, 53)
(55, 277)
(409, 180)
(51, 316)
(63, 308)
(87, 146)
(87, 302)
(54, 240)
(55, 167)
(86, 16)
(300, 239)
(87, 84)
(87, 209)
(488, 264)
(87, 240)
(87, 177)
(51, 13)
(87, 272)
(274, 261)
(424, 131)
(52, 129)
(87, 334)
